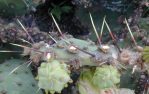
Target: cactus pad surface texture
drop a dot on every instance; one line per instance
(20, 81)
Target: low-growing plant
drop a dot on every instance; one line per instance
(58, 10)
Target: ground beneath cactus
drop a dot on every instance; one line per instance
(98, 15)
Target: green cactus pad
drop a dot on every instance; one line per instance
(20, 81)
(129, 80)
(87, 53)
(84, 59)
(53, 76)
(65, 56)
(106, 77)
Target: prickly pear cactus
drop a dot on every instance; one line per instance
(106, 77)
(62, 51)
(21, 81)
(53, 76)
(87, 54)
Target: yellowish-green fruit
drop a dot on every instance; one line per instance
(93, 82)
(53, 76)
(146, 54)
(85, 84)
(106, 77)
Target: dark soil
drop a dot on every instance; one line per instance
(68, 22)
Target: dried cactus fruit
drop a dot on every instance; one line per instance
(20, 81)
(146, 54)
(139, 48)
(125, 56)
(53, 76)
(129, 57)
(106, 77)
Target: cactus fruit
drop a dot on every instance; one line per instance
(53, 76)
(85, 84)
(106, 77)
(146, 54)
(20, 81)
